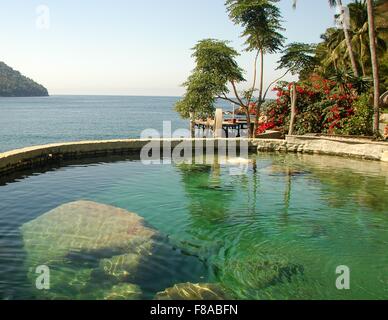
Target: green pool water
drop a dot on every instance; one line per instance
(278, 231)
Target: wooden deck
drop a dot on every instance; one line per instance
(237, 126)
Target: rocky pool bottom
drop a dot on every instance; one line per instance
(118, 229)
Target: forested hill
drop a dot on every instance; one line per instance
(14, 84)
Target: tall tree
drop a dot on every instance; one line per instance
(295, 58)
(345, 27)
(216, 69)
(261, 22)
(375, 66)
(359, 32)
(298, 56)
(330, 52)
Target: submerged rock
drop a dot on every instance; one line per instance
(190, 291)
(258, 272)
(86, 227)
(122, 267)
(124, 291)
(65, 283)
(82, 239)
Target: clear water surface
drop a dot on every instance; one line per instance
(278, 232)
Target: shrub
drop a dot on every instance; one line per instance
(323, 106)
(360, 122)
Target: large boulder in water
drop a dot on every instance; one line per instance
(84, 227)
(85, 242)
(191, 291)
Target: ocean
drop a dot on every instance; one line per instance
(41, 120)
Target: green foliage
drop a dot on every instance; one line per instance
(14, 84)
(297, 57)
(261, 22)
(384, 72)
(332, 53)
(359, 123)
(199, 97)
(323, 106)
(215, 68)
(360, 35)
(347, 81)
(216, 58)
(310, 118)
(216, 65)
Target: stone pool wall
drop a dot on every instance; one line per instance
(52, 153)
(36, 156)
(348, 147)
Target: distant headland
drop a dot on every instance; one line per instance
(14, 84)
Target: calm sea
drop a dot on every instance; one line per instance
(34, 121)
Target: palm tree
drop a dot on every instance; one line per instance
(346, 27)
(261, 20)
(334, 3)
(331, 50)
(360, 30)
(360, 35)
(375, 66)
(335, 43)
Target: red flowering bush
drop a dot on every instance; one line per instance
(323, 106)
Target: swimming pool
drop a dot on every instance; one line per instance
(279, 231)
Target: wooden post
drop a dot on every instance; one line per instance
(293, 109)
(192, 124)
(219, 119)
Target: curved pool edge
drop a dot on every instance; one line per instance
(36, 156)
(333, 146)
(25, 158)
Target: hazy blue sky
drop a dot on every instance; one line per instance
(131, 47)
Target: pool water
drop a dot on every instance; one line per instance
(278, 231)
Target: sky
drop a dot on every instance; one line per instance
(132, 47)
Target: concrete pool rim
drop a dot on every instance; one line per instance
(36, 156)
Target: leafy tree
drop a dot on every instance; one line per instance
(199, 98)
(216, 68)
(261, 22)
(298, 57)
